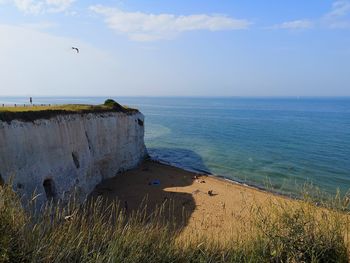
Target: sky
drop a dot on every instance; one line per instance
(175, 48)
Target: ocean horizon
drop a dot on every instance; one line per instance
(279, 143)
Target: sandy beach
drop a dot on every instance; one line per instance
(202, 204)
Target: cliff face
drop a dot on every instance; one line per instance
(67, 153)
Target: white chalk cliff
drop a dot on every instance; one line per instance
(67, 153)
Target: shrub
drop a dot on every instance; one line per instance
(114, 105)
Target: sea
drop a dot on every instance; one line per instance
(280, 144)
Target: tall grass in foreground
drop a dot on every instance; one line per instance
(278, 232)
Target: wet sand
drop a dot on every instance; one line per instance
(201, 204)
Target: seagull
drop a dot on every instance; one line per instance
(76, 49)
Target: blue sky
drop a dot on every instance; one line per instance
(175, 48)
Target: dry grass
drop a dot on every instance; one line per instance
(34, 112)
(95, 233)
(66, 107)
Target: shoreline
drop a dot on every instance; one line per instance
(232, 181)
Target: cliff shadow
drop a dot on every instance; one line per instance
(154, 184)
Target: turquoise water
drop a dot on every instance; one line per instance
(280, 142)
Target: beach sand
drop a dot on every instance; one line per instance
(222, 213)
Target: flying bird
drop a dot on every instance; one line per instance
(76, 49)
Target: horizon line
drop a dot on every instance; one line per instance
(176, 96)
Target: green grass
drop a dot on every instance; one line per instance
(94, 233)
(31, 113)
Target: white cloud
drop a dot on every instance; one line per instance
(295, 25)
(140, 26)
(339, 16)
(339, 9)
(40, 6)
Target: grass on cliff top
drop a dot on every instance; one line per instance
(93, 232)
(31, 113)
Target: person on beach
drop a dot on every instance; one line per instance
(31, 100)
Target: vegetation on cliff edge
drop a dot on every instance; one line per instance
(34, 112)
